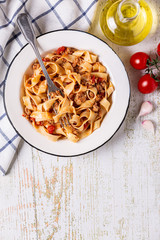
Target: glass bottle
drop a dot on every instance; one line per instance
(126, 22)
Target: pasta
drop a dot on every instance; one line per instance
(86, 88)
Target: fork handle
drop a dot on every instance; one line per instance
(26, 28)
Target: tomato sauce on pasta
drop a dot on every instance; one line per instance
(86, 88)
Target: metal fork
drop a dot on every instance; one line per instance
(25, 25)
(26, 28)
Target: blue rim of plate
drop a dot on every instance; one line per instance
(57, 155)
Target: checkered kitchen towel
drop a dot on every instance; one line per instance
(46, 15)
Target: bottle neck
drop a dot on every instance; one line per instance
(128, 10)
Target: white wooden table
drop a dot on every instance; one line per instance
(112, 193)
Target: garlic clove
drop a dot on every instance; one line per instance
(145, 109)
(148, 125)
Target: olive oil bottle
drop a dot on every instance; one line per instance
(126, 22)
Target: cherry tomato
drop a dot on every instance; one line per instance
(45, 59)
(139, 60)
(51, 129)
(39, 123)
(61, 50)
(158, 49)
(93, 79)
(147, 84)
(86, 125)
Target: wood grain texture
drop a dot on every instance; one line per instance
(112, 193)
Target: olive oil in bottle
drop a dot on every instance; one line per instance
(128, 10)
(126, 22)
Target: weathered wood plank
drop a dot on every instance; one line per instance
(17, 202)
(112, 193)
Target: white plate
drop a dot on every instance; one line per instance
(111, 122)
